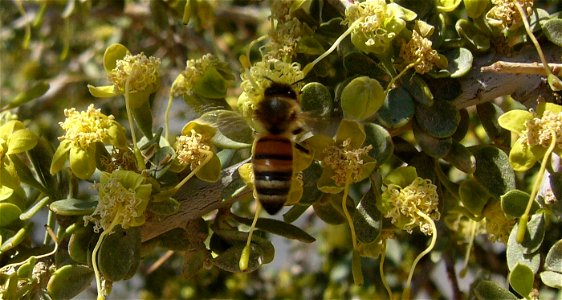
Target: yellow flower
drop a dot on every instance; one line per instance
(192, 149)
(14, 139)
(346, 161)
(497, 225)
(406, 204)
(378, 23)
(418, 51)
(504, 14)
(83, 131)
(140, 72)
(123, 198)
(187, 82)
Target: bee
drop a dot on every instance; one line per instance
(272, 159)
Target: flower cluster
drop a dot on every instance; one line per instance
(345, 161)
(403, 205)
(78, 145)
(536, 130)
(539, 131)
(141, 73)
(86, 127)
(123, 198)
(194, 70)
(504, 14)
(192, 149)
(419, 52)
(378, 23)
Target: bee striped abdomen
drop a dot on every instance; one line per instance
(273, 170)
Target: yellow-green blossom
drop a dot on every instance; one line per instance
(123, 198)
(496, 224)
(346, 161)
(195, 70)
(192, 149)
(83, 130)
(504, 14)
(418, 51)
(260, 76)
(405, 205)
(140, 73)
(344, 158)
(376, 24)
(14, 139)
(536, 131)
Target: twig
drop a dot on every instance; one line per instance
(505, 67)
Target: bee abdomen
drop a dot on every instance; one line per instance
(273, 170)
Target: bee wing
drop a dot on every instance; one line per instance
(232, 129)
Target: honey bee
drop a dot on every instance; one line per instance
(272, 159)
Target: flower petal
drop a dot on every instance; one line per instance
(521, 157)
(21, 141)
(106, 91)
(83, 162)
(514, 120)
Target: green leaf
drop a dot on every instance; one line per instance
(418, 88)
(489, 114)
(460, 61)
(20, 141)
(79, 243)
(35, 91)
(60, 157)
(552, 279)
(473, 196)
(9, 212)
(397, 110)
(430, 145)
(310, 45)
(233, 131)
(68, 281)
(315, 99)
(475, 38)
(73, 207)
(229, 259)
(280, 228)
(380, 139)
(164, 205)
(329, 210)
(357, 63)
(361, 98)
(487, 290)
(367, 219)
(553, 31)
(534, 234)
(113, 53)
(553, 261)
(518, 254)
(461, 158)
(515, 202)
(521, 279)
(119, 253)
(440, 120)
(493, 170)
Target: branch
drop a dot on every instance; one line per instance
(479, 87)
(505, 67)
(196, 200)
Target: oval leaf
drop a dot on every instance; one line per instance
(68, 281)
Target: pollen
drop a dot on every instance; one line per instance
(497, 225)
(264, 72)
(140, 72)
(540, 131)
(86, 127)
(419, 52)
(192, 149)
(345, 161)
(419, 196)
